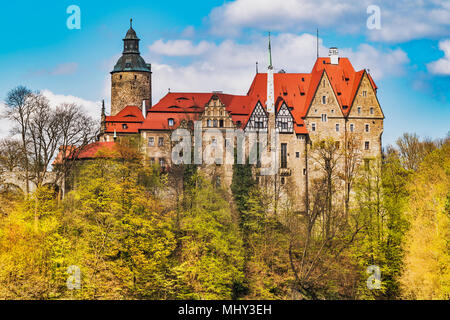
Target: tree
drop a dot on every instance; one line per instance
(211, 257)
(427, 257)
(412, 151)
(321, 237)
(11, 154)
(124, 237)
(20, 107)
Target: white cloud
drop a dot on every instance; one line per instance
(65, 68)
(380, 63)
(230, 66)
(188, 32)
(5, 125)
(179, 48)
(401, 20)
(441, 66)
(89, 107)
(92, 108)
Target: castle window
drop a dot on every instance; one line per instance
(215, 123)
(313, 127)
(359, 110)
(371, 111)
(210, 123)
(283, 181)
(151, 142)
(297, 154)
(221, 123)
(324, 99)
(367, 145)
(124, 127)
(324, 118)
(135, 77)
(162, 162)
(352, 127)
(283, 155)
(367, 128)
(171, 122)
(160, 142)
(304, 172)
(332, 111)
(364, 93)
(120, 77)
(337, 127)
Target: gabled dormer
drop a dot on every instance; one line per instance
(284, 119)
(258, 119)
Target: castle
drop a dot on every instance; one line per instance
(332, 101)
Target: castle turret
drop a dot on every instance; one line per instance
(131, 79)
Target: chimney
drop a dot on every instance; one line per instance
(334, 55)
(144, 108)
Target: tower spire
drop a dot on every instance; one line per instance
(270, 104)
(131, 23)
(270, 53)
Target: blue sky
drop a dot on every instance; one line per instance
(213, 45)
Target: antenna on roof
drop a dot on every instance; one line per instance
(257, 71)
(317, 43)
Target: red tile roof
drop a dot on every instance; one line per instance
(91, 151)
(296, 89)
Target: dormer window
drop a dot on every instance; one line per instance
(171, 122)
(124, 127)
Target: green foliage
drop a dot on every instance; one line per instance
(211, 255)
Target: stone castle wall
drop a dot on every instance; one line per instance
(129, 89)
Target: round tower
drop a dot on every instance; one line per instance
(131, 79)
